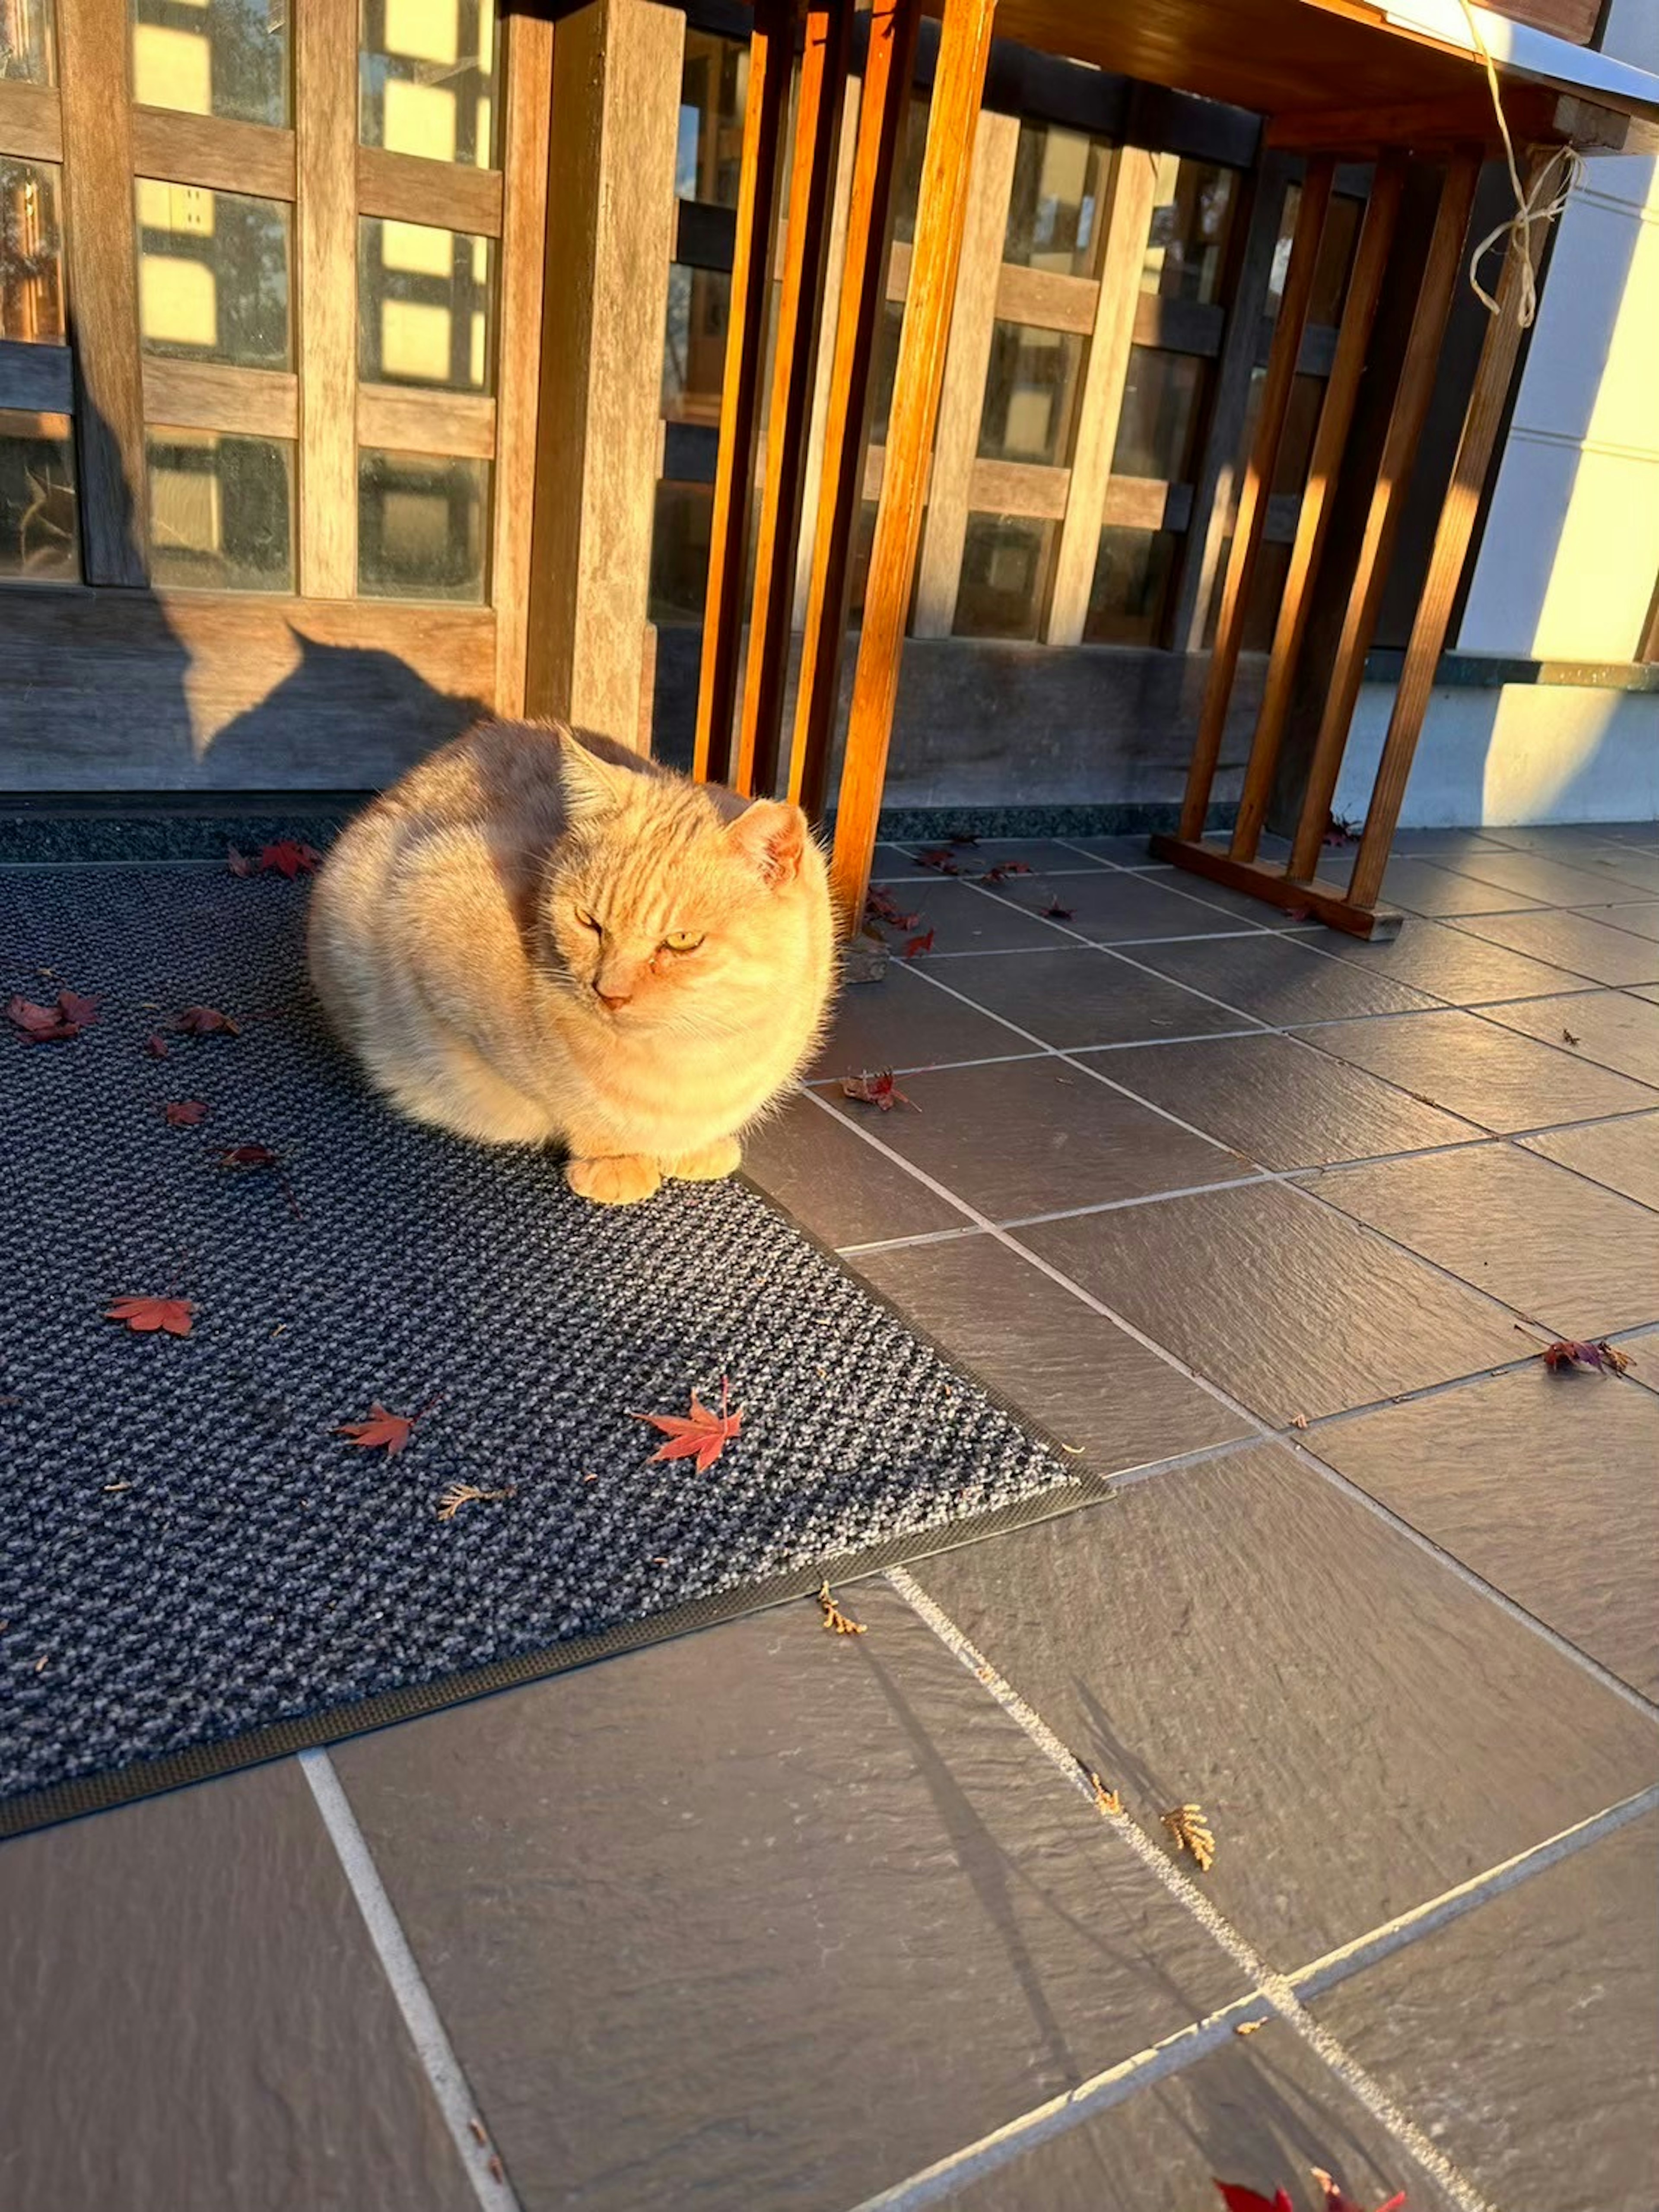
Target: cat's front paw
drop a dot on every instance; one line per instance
(619, 1179)
(707, 1164)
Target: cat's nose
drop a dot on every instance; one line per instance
(605, 999)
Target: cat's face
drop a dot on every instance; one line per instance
(663, 917)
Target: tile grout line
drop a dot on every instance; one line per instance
(436, 2053)
(1276, 1988)
(1262, 1429)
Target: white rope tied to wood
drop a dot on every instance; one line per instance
(1548, 198)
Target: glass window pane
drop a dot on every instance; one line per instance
(883, 369)
(220, 511)
(1059, 176)
(1030, 392)
(679, 551)
(714, 85)
(1132, 582)
(1336, 246)
(1158, 421)
(39, 538)
(1188, 237)
(907, 189)
(426, 79)
(211, 57)
(1301, 422)
(212, 275)
(27, 48)
(1004, 574)
(858, 565)
(424, 307)
(421, 524)
(31, 251)
(694, 344)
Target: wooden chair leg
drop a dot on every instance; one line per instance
(1453, 533)
(1312, 519)
(883, 107)
(819, 99)
(1255, 491)
(770, 54)
(964, 49)
(1441, 272)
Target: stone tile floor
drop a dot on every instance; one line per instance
(1270, 1224)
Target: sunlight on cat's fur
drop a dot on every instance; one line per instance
(538, 937)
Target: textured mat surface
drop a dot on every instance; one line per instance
(188, 1550)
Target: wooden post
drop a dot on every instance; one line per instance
(1213, 495)
(1441, 272)
(614, 121)
(326, 270)
(103, 293)
(883, 106)
(964, 49)
(1127, 217)
(961, 395)
(1255, 491)
(764, 118)
(1313, 517)
(528, 61)
(818, 97)
(1452, 535)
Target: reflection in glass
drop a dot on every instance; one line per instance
(1187, 239)
(212, 275)
(907, 187)
(1158, 421)
(31, 252)
(426, 79)
(1004, 574)
(220, 511)
(883, 369)
(1295, 441)
(714, 85)
(27, 48)
(1132, 582)
(212, 57)
(679, 551)
(1059, 176)
(694, 343)
(1336, 246)
(39, 541)
(423, 305)
(858, 565)
(1031, 388)
(421, 524)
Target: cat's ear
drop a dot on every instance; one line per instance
(592, 785)
(772, 837)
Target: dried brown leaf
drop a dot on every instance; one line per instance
(1191, 1832)
(840, 1623)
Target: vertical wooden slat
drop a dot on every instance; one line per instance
(883, 107)
(820, 94)
(324, 34)
(617, 67)
(1251, 517)
(528, 62)
(1312, 519)
(964, 49)
(834, 265)
(765, 117)
(1128, 217)
(1481, 426)
(1213, 494)
(962, 398)
(1441, 272)
(103, 294)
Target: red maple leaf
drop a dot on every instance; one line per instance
(289, 858)
(1599, 1358)
(880, 907)
(1237, 2199)
(938, 859)
(392, 1431)
(249, 1156)
(204, 1021)
(155, 1046)
(701, 1433)
(143, 1315)
(919, 945)
(1003, 870)
(52, 1025)
(1055, 912)
(184, 1112)
(238, 863)
(877, 1090)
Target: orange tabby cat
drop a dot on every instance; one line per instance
(537, 936)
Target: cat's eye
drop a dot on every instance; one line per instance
(588, 921)
(683, 940)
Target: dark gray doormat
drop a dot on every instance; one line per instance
(196, 1570)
